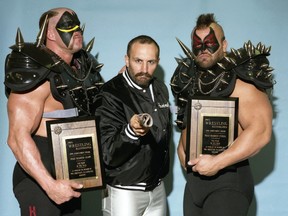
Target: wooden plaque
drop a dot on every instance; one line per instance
(212, 125)
(76, 151)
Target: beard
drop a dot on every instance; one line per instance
(142, 79)
(207, 60)
(206, 63)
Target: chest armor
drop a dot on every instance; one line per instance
(75, 85)
(248, 63)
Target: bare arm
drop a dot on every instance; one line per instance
(182, 148)
(255, 123)
(25, 118)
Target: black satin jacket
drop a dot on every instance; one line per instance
(130, 159)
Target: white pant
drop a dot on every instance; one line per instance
(121, 202)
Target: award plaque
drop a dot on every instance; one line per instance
(76, 151)
(212, 125)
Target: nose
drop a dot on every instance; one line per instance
(144, 67)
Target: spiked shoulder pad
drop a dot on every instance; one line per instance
(248, 63)
(252, 65)
(23, 73)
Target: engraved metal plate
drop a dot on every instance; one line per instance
(76, 152)
(212, 125)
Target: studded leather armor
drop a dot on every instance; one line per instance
(75, 85)
(248, 63)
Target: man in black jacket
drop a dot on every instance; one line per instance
(134, 121)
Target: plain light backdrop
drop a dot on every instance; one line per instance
(113, 23)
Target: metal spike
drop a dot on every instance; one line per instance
(267, 50)
(259, 45)
(89, 46)
(227, 59)
(262, 50)
(186, 50)
(178, 60)
(97, 55)
(249, 45)
(42, 33)
(99, 66)
(178, 122)
(211, 72)
(233, 61)
(173, 79)
(268, 75)
(259, 73)
(93, 87)
(269, 69)
(234, 51)
(56, 63)
(99, 83)
(245, 46)
(62, 86)
(221, 65)
(185, 64)
(185, 75)
(249, 53)
(83, 28)
(264, 65)
(19, 41)
(253, 49)
(238, 54)
(230, 60)
(224, 81)
(182, 99)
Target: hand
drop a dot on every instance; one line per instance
(204, 165)
(63, 190)
(137, 127)
(145, 120)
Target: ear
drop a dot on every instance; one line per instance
(127, 60)
(50, 35)
(224, 46)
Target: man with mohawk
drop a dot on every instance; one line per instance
(222, 184)
(50, 79)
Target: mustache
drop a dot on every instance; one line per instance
(205, 52)
(143, 74)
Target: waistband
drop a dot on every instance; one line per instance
(139, 186)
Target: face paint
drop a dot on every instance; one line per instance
(67, 25)
(210, 43)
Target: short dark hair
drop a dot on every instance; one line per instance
(142, 39)
(205, 20)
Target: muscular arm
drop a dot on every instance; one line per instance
(255, 123)
(182, 148)
(25, 115)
